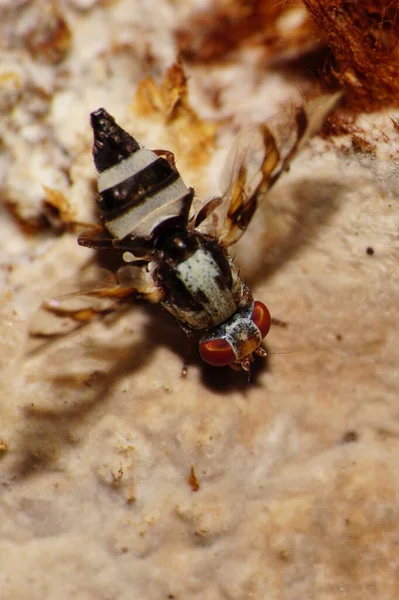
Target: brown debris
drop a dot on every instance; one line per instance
(193, 138)
(28, 223)
(360, 145)
(56, 214)
(3, 446)
(50, 37)
(193, 481)
(211, 35)
(341, 124)
(395, 123)
(363, 37)
(350, 437)
(57, 210)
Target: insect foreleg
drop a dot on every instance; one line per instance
(169, 156)
(205, 212)
(92, 238)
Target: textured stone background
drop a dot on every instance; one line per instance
(298, 469)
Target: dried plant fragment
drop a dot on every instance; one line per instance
(57, 210)
(47, 36)
(361, 145)
(193, 138)
(28, 221)
(364, 41)
(362, 142)
(193, 481)
(11, 87)
(283, 29)
(3, 446)
(56, 214)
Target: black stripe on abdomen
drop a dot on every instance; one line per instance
(135, 189)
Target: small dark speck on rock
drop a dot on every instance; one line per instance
(350, 436)
(370, 251)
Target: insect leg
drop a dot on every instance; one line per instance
(96, 237)
(136, 279)
(169, 156)
(205, 212)
(190, 352)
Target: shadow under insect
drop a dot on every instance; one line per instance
(294, 216)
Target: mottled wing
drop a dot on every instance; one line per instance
(267, 154)
(239, 178)
(94, 295)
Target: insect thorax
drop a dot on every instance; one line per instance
(201, 285)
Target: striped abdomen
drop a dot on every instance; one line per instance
(138, 190)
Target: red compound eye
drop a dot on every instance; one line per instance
(261, 317)
(218, 352)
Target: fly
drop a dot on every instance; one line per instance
(178, 259)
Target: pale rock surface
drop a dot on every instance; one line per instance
(298, 469)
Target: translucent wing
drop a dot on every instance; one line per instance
(263, 156)
(247, 153)
(96, 293)
(239, 179)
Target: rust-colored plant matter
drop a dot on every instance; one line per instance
(56, 214)
(49, 38)
(169, 102)
(281, 28)
(363, 37)
(193, 481)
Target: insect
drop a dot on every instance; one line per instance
(181, 259)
